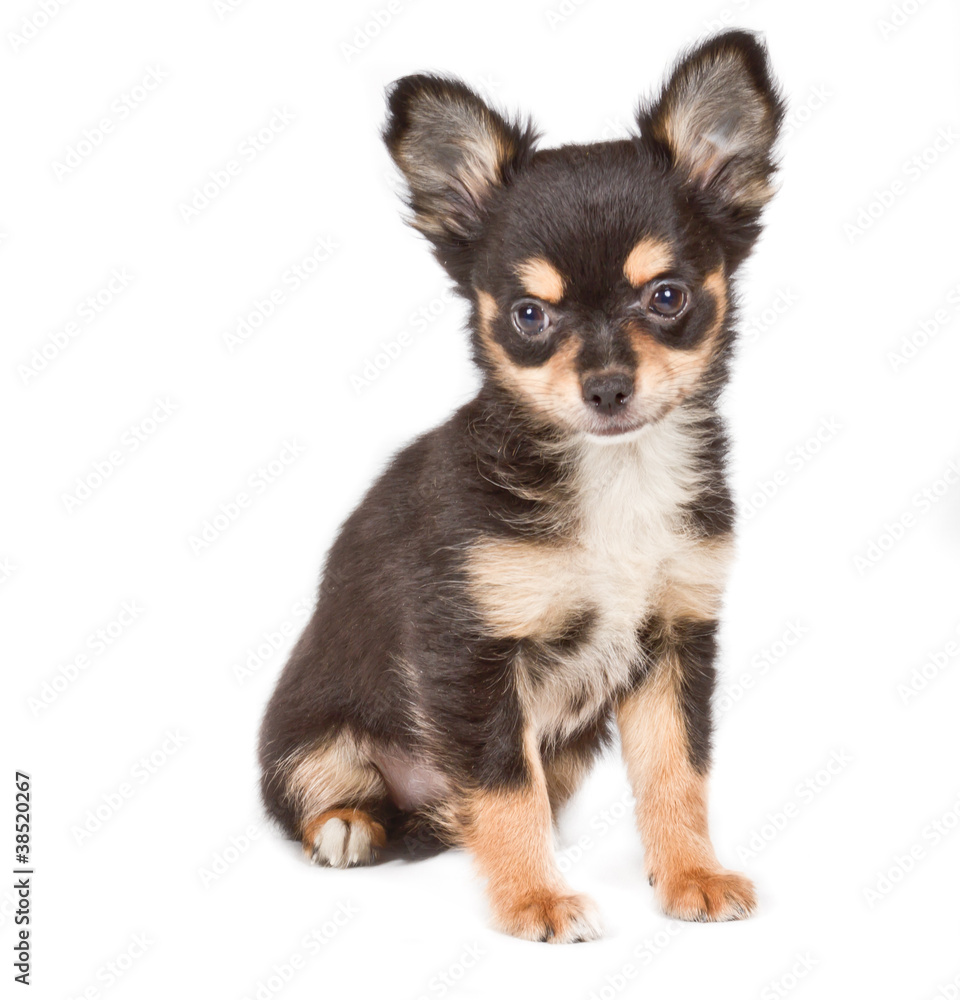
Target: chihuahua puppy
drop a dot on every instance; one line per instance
(549, 563)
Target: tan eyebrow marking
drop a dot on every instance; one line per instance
(486, 306)
(541, 279)
(646, 260)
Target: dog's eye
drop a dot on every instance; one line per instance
(530, 318)
(668, 300)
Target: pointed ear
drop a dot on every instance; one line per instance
(718, 117)
(455, 152)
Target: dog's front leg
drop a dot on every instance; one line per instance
(665, 734)
(510, 834)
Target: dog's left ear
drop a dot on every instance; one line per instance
(455, 152)
(718, 118)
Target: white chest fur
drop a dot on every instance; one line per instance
(631, 547)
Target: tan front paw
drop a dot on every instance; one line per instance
(705, 895)
(552, 917)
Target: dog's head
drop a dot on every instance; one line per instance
(599, 274)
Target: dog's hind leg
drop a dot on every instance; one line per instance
(343, 837)
(335, 798)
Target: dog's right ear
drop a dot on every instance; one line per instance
(455, 152)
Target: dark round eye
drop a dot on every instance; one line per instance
(529, 318)
(668, 301)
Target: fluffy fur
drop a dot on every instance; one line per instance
(550, 561)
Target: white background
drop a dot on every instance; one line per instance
(858, 260)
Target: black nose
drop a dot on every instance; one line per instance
(607, 392)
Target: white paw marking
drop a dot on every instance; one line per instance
(340, 844)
